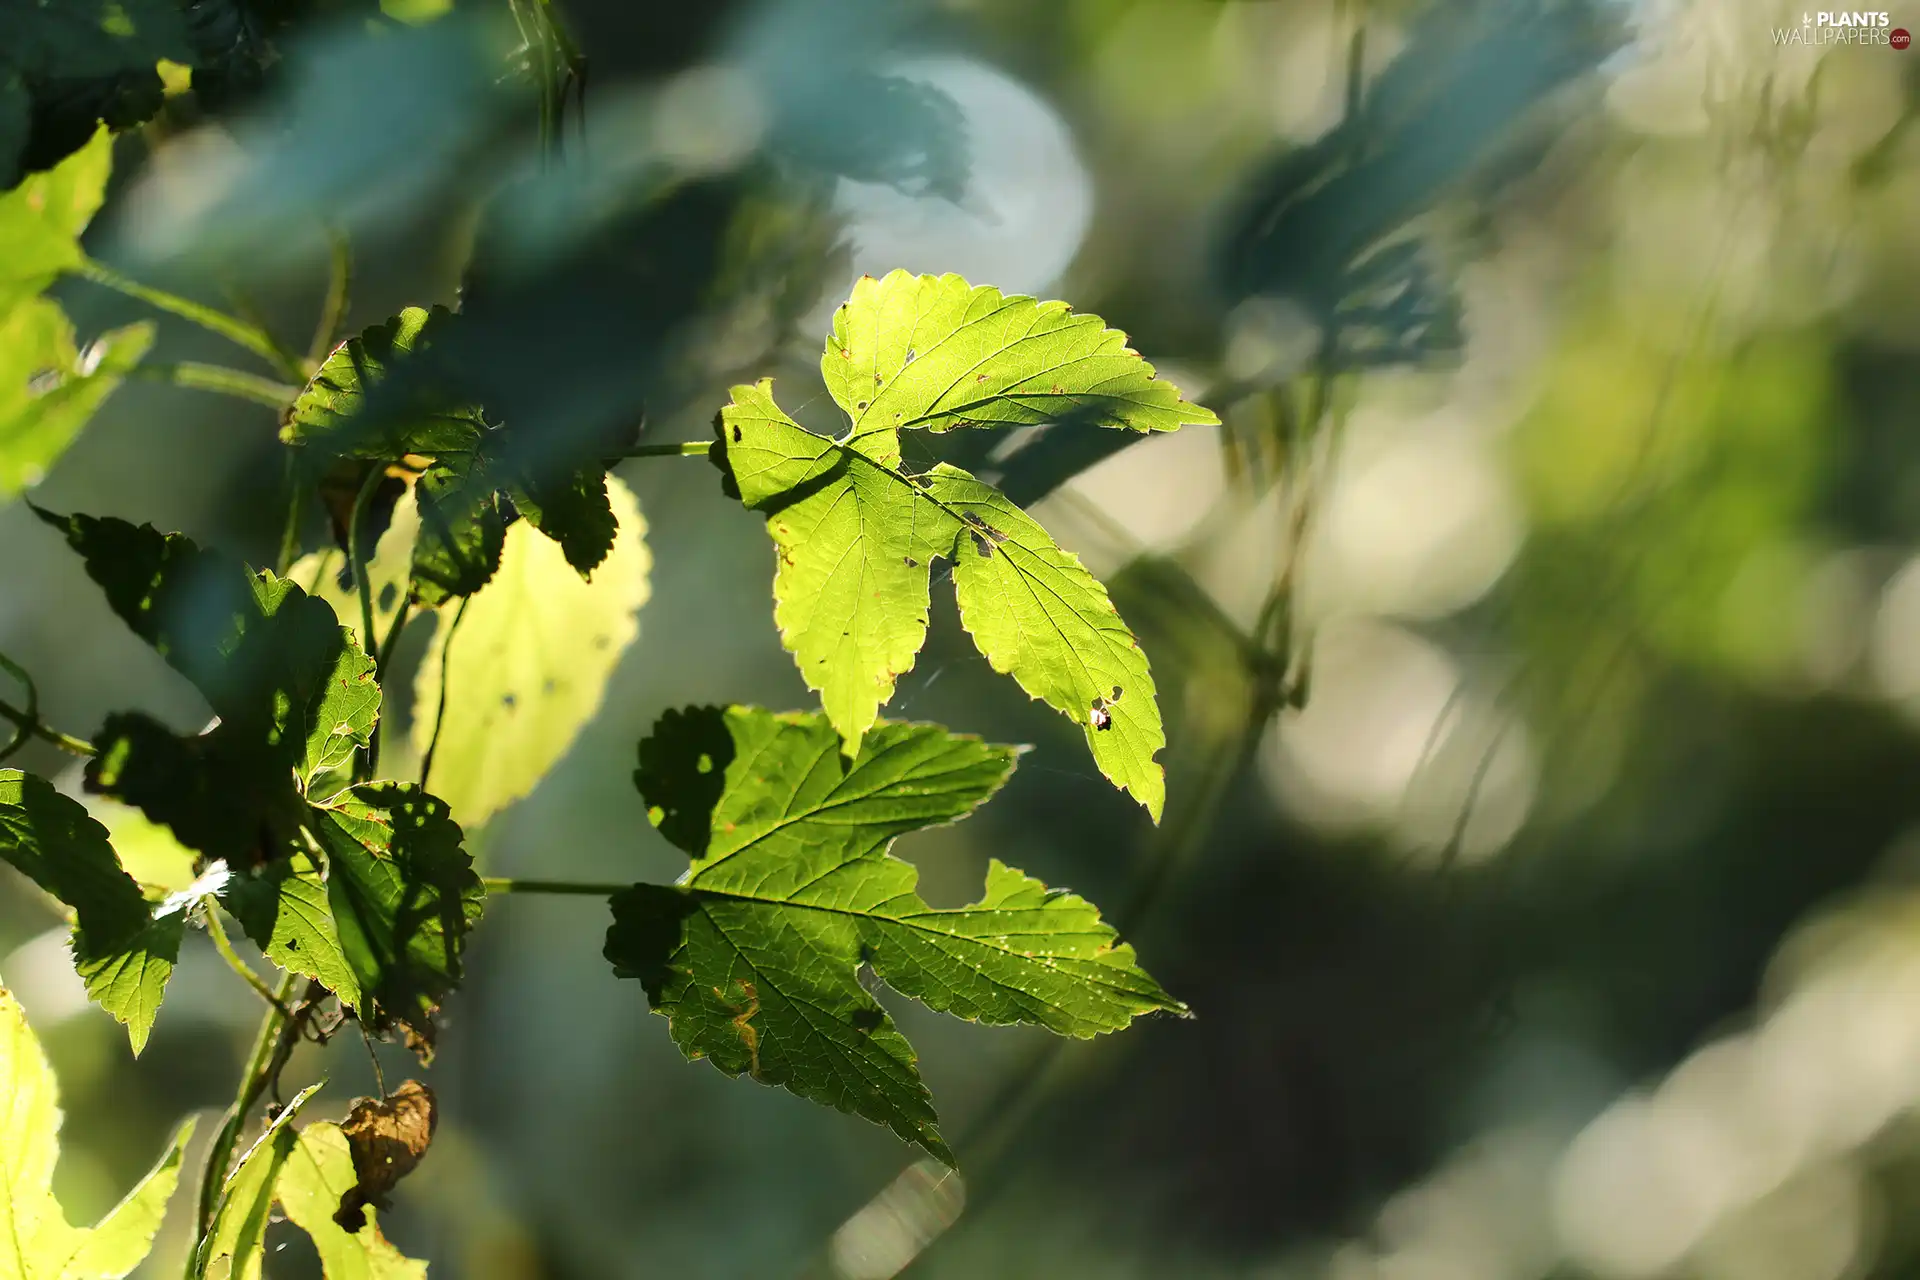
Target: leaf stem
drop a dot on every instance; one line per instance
(333, 308)
(232, 328)
(503, 884)
(217, 378)
(685, 449)
(440, 709)
(271, 1046)
(296, 512)
(27, 724)
(218, 932)
(357, 557)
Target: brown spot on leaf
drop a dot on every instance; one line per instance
(388, 1137)
(736, 433)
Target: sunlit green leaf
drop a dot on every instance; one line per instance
(123, 950)
(528, 666)
(42, 218)
(317, 1172)
(49, 390)
(327, 417)
(754, 956)
(939, 353)
(403, 896)
(285, 909)
(1039, 616)
(235, 1244)
(856, 537)
(36, 1241)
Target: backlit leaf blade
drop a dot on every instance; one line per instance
(124, 953)
(1039, 616)
(49, 389)
(854, 541)
(528, 666)
(403, 896)
(329, 415)
(235, 1246)
(36, 1241)
(937, 352)
(754, 956)
(294, 693)
(285, 909)
(41, 220)
(317, 1172)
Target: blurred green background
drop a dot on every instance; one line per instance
(1540, 636)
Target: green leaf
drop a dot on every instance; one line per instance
(528, 665)
(285, 909)
(49, 390)
(42, 218)
(235, 1245)
(317, 1172)
(124, 952)
(295, 695)
(462, 532)
(36, 1241)
(754, 956)
(481, 475)
(939, 353)
(856, 538)
(1037, 614)
(328, 416)
(403, 896)
(48, 387)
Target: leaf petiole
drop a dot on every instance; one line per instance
(197, 376)
(504, 884)
(685, 449)
(232, 328)
(218, 932)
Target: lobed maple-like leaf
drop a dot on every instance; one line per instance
(754, 956)
(856, 533)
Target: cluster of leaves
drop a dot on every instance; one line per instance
(364, 885)
(305, 1171)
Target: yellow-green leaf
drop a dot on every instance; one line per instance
(528, 666)
(36, 1241)
(317, 1172)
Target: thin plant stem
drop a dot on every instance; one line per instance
(296, 512)
(26, 720)
(685, 449)
(218, 932)
(440, 709)
(362, 583)
(232, 328)
(271, 1044)
(381, 659)
(503, 884)
(333, 308)
(198, 376)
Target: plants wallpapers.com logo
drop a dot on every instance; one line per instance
(1844, 27)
